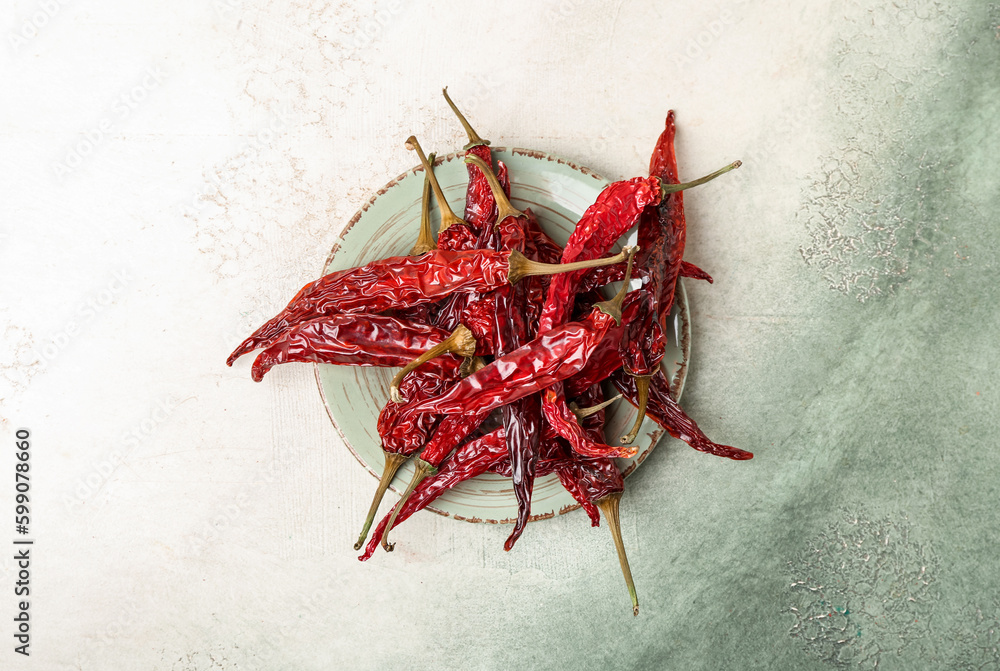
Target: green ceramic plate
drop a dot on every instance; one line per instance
(558, 192)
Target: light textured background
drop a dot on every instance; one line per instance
(187, 518)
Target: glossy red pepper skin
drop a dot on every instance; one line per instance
(562, 419)
(347, 340)
(615, 211)
(549, 358)
(663, 409)
(395, 282)
(545, 249)
(606, 358)
(402, 428)
(457, 238)
(470, 460)
(480, 206)
(450, 432)
(666, 239)
(643, 343)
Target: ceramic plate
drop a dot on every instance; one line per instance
(558, 192)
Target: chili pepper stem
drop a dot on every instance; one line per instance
(425, 239)
(474, 138)
(470, 365)
(674, 188)
(520, 267)
(423, 469)
(504, 208)
(583, 413)
(448, 218)
(609, 508)
(613, 307)
(642, 387)
(461, 342)
(393, 460)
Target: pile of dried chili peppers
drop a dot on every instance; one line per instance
(504, 343)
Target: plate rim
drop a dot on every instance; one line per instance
(680, 298)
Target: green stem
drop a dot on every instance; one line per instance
(425, 239)
(520, 267)
(613, 307)
(422, 471)
(674, 188)
(474, 138)
(609, 508)
(460, 342)
(393, 461)
(583, 413)
(448, 218)
(504, 208)
(642, 386)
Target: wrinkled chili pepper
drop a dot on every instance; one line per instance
(402, 281)
(518, 267)
(470, 460)
(375, 340)
(616, 210)
(522, 418)
(663, 409)
(403, 431)
(549, 358)
(665, 237)
(480, 208)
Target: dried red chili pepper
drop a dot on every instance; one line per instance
(616, 210)
(374, 340)
(480, 208)
(403, 431)
(548, 359)
(663, 409)
(470, 460)
(522, 418)
(402, 281)
(665, 239)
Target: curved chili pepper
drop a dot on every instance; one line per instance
(472, 459)
(663, 409)
(480, 208)
(402, 281)
(549, 358)
(616, 210)
(403, 432)
(347, 340)
(522, 418)
(562, 418)
(606, 359)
